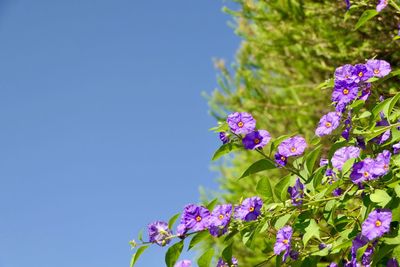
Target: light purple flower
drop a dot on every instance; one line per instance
(382, 162)
(181, 229)
(381, 5)
(296, 193)
(344, 154)
(323, 162)
(222, 263)
(332, 264)
(241, 122)
(280, 159)
(283, 241)
(328, 123)
(377, 223)
(396, 148)
(392, 263)
(220, 219)
(224, 137)
(256, 139)
(249, 210)
(183, 263)
(344, 93)
(159, 233)
(195, 217)
(345, 73)
(293, 146)
(380, 68)
(363, 171)
(362, 73)
(366, 258)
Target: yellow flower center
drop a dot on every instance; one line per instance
(360, 74)
(256, 141)
(221, 216)
(345, 91)
(240, 124)
(366, 174)
(328, 124)
(293, 149)
(386, 167)
(251, 209)
(378, 223)
(198, 218)
(283, 158)
(285, 241)
(376, 71)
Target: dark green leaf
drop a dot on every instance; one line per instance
(392, 102)
(264, 188)
(210, 206)
(137, 254)
(227, 254)
(311, 158)
(205, 259)
(367, 15)
(281, 187)
(173, 253)
(197, 238)
(258, 166)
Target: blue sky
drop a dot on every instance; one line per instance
(103, 128)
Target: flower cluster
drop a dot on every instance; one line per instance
(291, 147)
(371, 169)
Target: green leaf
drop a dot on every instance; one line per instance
(311, 158)
(281, 187)
(264, 188)
(140, 235)
(347, 165)
(367, 15)
(381, 106)
(173, 253)
(225, 149)
(380, 197)
(392, 102)
(222, 127)
(282, 221)
(173, 220)
(205, 259)
(312, 230)
(137, 254)
(227, 253)
(365, 114)
(212, 204)
(197, 238)
(258, 166)
(397, 190)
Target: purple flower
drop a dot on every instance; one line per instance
(381, 5)
(344, 93)
(181, 229)
(392, 263)
(224, 137)
(386, 135)
(377, 223)
(366, 258)
(322, 246)
(283, 241)
(159, 233)
(328, 123)
(365, 92)
(332, 264)
(294, 255)
(396, 148)
(382, 162)
(323, 162)
(360, 142)
(280, 159)
(183, 263)
(222, 263)
(195, 217)
(363, 171)
(345, 73)
(346, 133)
(220, 219)
(362, 73)
(257, 139)
(337, 192)
(380, 68)
(347, 4)
(241, 122)
(358, 242)
(293, 146)
(343, 154)
(249, 210)
(296, 193)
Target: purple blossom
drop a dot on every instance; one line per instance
(293, 146)
(183, 263)
(362, 73)
(249, 210)
(181, 229)
(344, 93)
(195, 217)
(241, 122)
(386, 135)
(296, 193)
(344, 154)
(363, 171)
(358, 242)
(159, 233)
(382, 162)
(224, 137)
(222, 263)
(346, 133)
(220, 219)
(365, 92)
(345, 73)
(283, 241)
(392, 263)
(347, 4)
(323, 162)
(322, 246)
(337, 192)
(381, 5)
(366, 258)
(280, 159)
(294, 255)
(328, 123)
(332, 264)
(360, 142)
(377, 223)
(380, 68)
(256, 139)
(396, 148)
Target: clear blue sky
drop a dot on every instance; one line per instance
(103, 128)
